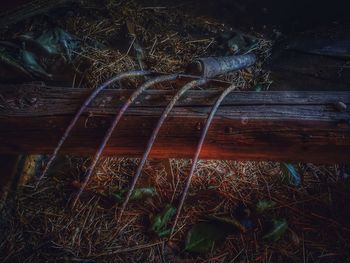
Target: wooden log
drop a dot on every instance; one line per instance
(272, 125)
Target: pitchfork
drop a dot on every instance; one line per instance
(202, 70)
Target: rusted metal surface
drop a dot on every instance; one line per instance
(116, 120)
(213, 66)
(210, 67)
(198, 151)
(83, 108)
(153, 137)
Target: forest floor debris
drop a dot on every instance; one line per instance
(269, 219)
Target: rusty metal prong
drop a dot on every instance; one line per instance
(86, 103)
(151, 140)
(198, 151)
(116, 120)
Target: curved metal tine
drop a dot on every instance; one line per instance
(150, 142)
(116, 120)
(86, 103)
(198, 151)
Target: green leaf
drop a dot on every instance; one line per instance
(58, 41)
(12, 62)
(258, 88)
(140, 193)
(137, 194)
(49, 42)
(203, 237)
(31, 63)
(119, 195)
(278, 229)
(68, 41)
(289, 171)
(264, 205)
(160, 221)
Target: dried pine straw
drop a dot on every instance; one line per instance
(39, 225)
(170, 39)
(43, 227)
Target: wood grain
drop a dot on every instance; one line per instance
(272, 125)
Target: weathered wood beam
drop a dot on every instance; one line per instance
(271, 125)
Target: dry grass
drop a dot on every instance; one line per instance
(169, 38)
(42, 226)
